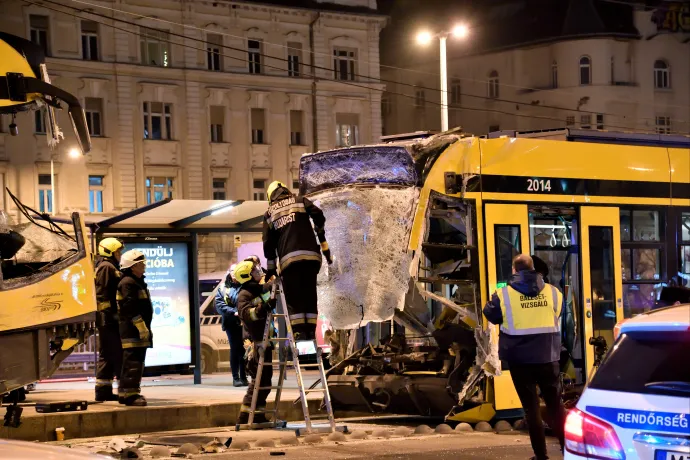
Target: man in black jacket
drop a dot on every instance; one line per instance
(528, 311)
(253, 305)
(109, 345)
(289, 243)
(136, 313)
(226, 306)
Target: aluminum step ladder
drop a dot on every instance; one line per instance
(283, 345)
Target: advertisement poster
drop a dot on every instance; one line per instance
(167, 277)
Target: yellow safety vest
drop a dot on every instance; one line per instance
(523, 315)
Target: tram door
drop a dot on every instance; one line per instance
(507, 235)
(602, 284)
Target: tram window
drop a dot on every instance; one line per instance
(638, 298)
(645, 225)
(685, 261)
(508, 245)
(626, 225)
(602, 279)
(685, 222)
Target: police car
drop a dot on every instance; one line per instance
(637, 405)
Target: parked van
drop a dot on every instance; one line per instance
(215, 349)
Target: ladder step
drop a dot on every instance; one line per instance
(314, 390)
(278, 314)
(278, 339)
(270, 388)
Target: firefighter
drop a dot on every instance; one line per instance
(528, 311)
(110, 347)
(136, 312)
(253, 305)
(289, 244)
(226, 306)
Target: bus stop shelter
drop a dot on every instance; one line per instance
(168, 233)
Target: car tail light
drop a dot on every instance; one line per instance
(593, 438)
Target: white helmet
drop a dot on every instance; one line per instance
(130, 258)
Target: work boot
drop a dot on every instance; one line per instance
(134, 400)
(243, 418)
(105, 395)
(237, 383)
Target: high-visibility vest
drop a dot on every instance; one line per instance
(523, 315)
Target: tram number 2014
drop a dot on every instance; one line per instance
(538, 185)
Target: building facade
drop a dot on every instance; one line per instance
(191, 99)
(595, 65)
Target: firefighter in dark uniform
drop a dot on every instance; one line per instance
(253, 305)
(109, 346)
(290, 244)
(528, 311)
(136, 312)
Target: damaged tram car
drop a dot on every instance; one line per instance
(424, 230)
(47, 294)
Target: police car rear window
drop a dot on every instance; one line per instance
(647, 363)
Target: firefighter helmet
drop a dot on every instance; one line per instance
(275, 185)
(109, 246)
(244, 270)
(131, 258)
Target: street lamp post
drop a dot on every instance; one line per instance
(459, 31)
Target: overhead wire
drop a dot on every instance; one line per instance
(368, 77)
(343, 82)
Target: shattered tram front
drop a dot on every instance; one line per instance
(405, 254)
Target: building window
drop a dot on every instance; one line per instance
(296, 127)
(96, 188)
(158, 121)
(493, 84)
(570, 121)
(217, 123)
(258, 126)
(155, 47)
(295, 185)
(219, 188)
(39, 122)
(214, 44)
(600, 121)
(385, 105)
(641, 258)
(89, 41)
(93, 108)
(554, 74)
(663, 125)
(585, 70)
(254, 52)
(159, 188)
(346, 129)
(294, 59)
(344, 60)
(586, 121)
(662, 78)
(259, 189)
(419, 98)
(39, 27)
(45, 193)
(455, 91)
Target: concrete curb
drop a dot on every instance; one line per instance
(41, 427)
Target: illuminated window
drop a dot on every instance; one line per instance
(155, 47)
(45, 193)
(96, 188)
(346, 129)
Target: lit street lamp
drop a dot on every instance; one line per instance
(424, 38)
(73, 153)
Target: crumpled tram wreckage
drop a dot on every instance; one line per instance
(371, 197)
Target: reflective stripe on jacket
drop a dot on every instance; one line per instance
(526, 315)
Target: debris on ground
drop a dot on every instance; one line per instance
(213, 447)
(117, 444)
(131, 452)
